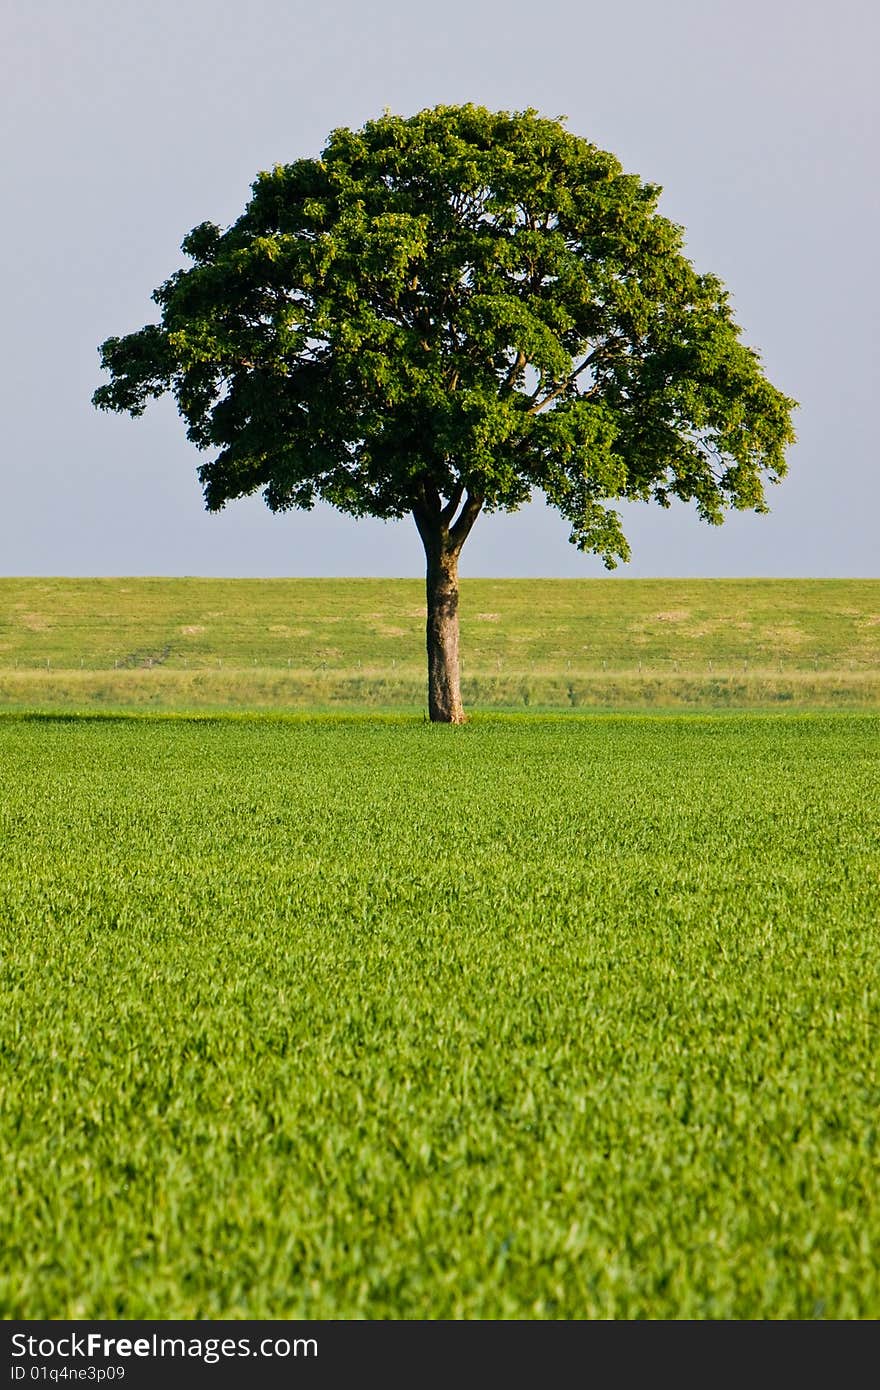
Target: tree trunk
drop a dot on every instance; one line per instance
(444, 683)
(442, 536)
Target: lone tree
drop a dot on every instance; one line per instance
(440, 315)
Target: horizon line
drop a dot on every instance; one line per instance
(464, 579)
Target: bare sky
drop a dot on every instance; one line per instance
(125, 123)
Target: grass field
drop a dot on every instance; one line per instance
(564, 1017)
(359, 644)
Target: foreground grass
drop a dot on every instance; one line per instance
(560, 1018)
(359, 644)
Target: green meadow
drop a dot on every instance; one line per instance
(541, 1017)
(307, 644)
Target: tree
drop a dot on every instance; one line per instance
(442, 314)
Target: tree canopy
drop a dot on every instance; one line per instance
(444, 313)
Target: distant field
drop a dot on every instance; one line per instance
(568, 1017)
(301, 643)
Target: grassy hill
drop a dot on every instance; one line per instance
(555, 643)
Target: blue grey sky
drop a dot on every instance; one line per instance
(125, 123)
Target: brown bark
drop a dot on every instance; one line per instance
(444, 670)
(443, 539)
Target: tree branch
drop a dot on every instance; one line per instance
(426, 518)
(514, 370)
(461, 529)
(455, 496)
(569, 381)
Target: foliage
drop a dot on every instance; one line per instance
(608, 1051)
(461, 303)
